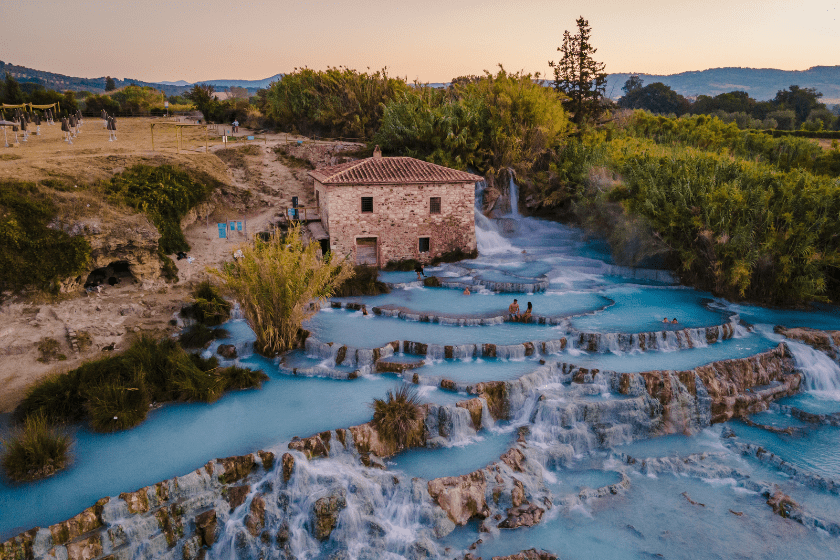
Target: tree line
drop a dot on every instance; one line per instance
(793, 108)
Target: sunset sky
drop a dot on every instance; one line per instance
(430, 40)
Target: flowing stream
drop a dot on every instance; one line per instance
(609, 489)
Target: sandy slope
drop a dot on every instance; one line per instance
(121, 312)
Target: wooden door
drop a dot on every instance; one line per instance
(366, 251)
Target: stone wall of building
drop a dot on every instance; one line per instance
(399, 219)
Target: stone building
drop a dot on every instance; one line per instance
(383, 209)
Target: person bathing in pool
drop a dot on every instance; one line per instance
(513, 310)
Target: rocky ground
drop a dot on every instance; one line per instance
(259, 186)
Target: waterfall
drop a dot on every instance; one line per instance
(822, 374)
(487, 237)
(513, 190)
(375, 514)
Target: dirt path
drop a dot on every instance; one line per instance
(118, 314)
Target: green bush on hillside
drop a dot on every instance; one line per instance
(165, 194)
(34, 252)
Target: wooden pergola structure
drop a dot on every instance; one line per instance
(179, 126)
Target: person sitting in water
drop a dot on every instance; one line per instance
(526, 317)
(419, 270)
(665, 319)
(674, 321)
(466, 291)
(513, 310)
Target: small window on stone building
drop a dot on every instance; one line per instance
(367, 204)
(434, 205)
(424, 244)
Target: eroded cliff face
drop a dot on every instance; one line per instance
(130, 238)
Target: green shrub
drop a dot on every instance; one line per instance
(454, 255)
(36, 451)
(204, 364)
(332, 102)
(191, 384)
(199, 335)
(242, 378)
(165, 194)
(208, 307)
(407, 265)
(364, 282)
(398, 419)
(31, 253)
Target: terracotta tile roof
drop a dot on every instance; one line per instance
(390, 170)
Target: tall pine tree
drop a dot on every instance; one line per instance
(579, 76)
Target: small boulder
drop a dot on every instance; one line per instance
(227, 351)
(288, 466)
(325, 513)
(205, 527)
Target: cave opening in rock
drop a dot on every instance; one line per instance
(117, 272)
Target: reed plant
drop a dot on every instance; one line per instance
(278, 284)
(34, 451)
(398, 419)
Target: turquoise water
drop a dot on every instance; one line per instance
(475, 370)
(824, 317)
(444, 301)
(654, 520)
(650, 519)
(352, 328)
(815, 450)
(430, 463)
(641, 309)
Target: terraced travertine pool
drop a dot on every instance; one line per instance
(678, 505)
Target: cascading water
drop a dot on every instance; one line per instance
(564, 409)
(822, 374)
(488, 238)
(513, 190)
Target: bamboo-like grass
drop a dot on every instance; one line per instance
(278, 284)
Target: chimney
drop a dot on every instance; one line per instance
(377, 153)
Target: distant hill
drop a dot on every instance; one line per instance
(760, 83)
(60, 82)
(248, 84)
